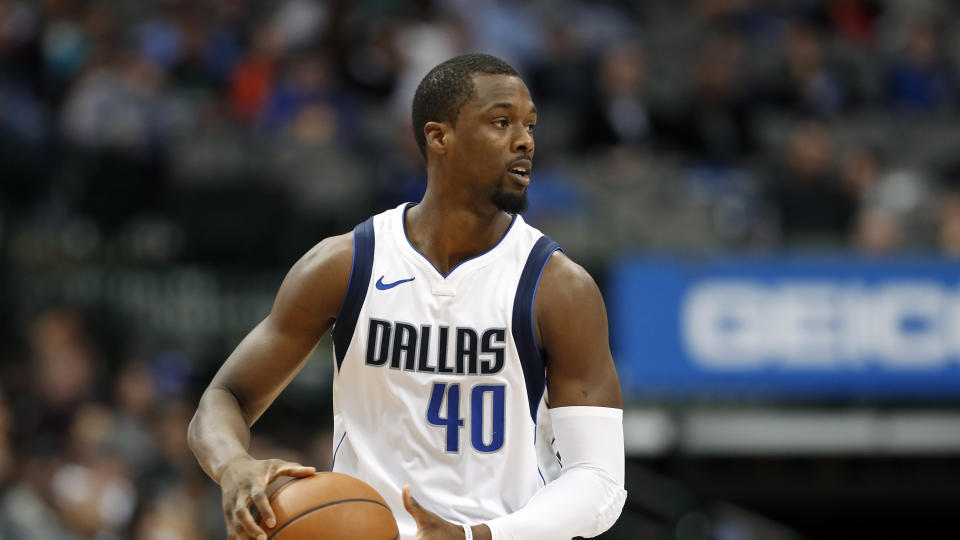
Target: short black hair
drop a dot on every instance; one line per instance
(447, 87)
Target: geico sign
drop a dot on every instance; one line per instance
(902, 324)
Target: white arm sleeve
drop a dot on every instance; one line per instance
(588, 496)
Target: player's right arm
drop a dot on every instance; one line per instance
(255, 373)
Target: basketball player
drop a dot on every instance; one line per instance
(472, 362)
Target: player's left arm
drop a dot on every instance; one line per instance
(583, 391)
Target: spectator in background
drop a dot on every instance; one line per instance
(854, 20)
(47, 499)
(805, 82)
(309, 81)
(175, 499)
(560, 75)
(170, 518)
(65, 367)
(118, 119)
(371, 65)
(509, 30)
(91, 467)
(135, 400)
(161, 37)
(949, 225)
(66, 46)
(400, 176)
(860, 168)
(198, 74)
(422, 44)
(253, 77)
(313, 161)
(616, 114)
(25, 513)
(813, 206)
(878, 231)
(920, 79)
(299, 24)
(92, 488)
(118, 104)
(715, 126)
(25, 145)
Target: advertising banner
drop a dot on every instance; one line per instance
(791, 326)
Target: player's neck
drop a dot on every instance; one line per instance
(448, 234)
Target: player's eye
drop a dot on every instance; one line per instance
(530, 127)
(501, 122)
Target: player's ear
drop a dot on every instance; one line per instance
(436, 134)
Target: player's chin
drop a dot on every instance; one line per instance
(514, 202)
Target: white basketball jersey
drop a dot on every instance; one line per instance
(439, 383)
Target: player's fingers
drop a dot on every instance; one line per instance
(408, 500)
(243, 521)
(266, 511)
(412, 506)
(288, 468)
(232, 535)
(234, 529)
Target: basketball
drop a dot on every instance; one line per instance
(330, 506)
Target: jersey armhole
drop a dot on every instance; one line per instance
(360, 269)
(531, 360)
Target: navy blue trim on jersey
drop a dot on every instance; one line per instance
(403, 227)
(530, 360)
(360, 270)
(333, 462)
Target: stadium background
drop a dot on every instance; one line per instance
(163, 163)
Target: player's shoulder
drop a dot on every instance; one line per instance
(331, 253)
(563, 272)
(318, 281)
(565, 285)
(326, 268)
(567, 300)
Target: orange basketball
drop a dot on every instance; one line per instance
(330, 506)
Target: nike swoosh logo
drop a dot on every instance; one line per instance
(384, 286)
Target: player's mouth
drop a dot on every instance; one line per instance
(520, 171)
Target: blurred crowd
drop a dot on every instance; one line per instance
(230, 134)
(85, 455)
(238, 132)
(95, 448)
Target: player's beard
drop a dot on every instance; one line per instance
(513, 203)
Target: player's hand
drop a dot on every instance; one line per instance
(243, 483)
(433, 527)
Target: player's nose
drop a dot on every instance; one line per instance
(523, 141)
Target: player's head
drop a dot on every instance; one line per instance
(475, 114)
(448, 86)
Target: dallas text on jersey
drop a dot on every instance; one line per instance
(407, 347)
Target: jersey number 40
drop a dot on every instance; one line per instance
(486, 426)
